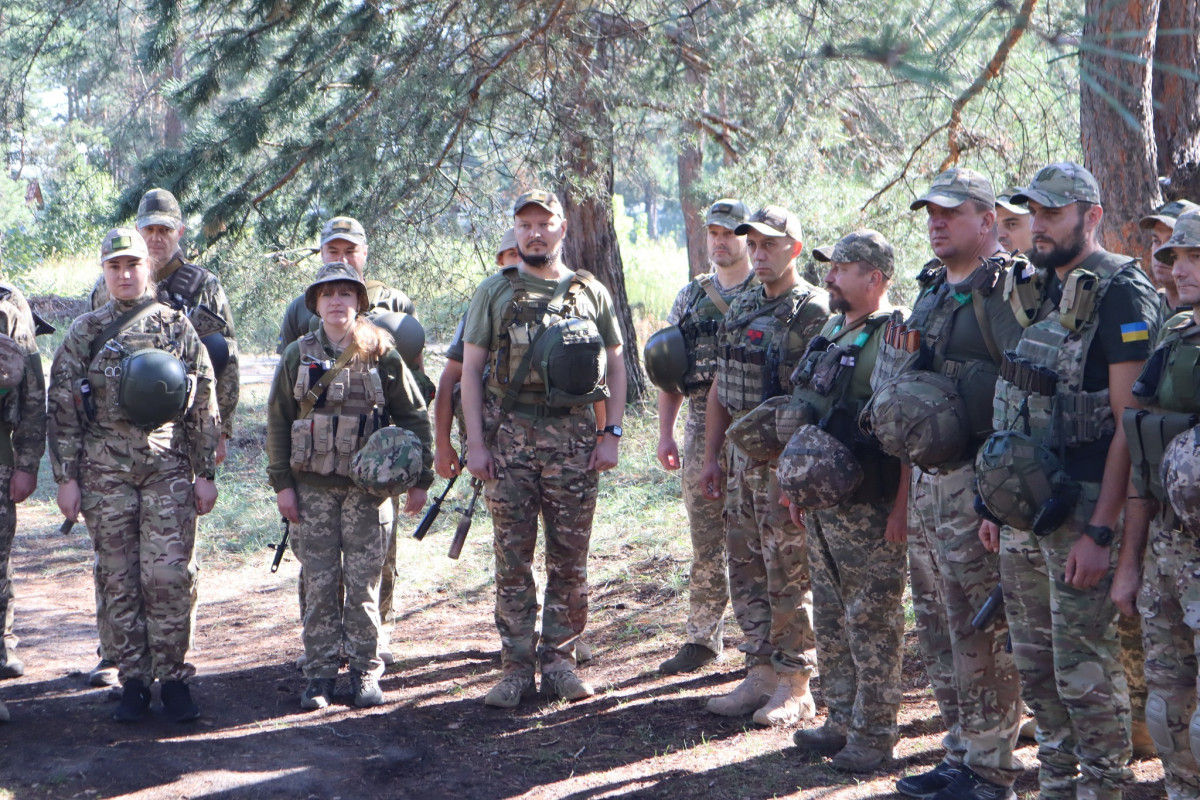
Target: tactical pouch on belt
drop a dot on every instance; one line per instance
(1149, 434)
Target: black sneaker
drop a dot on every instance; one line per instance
(927, 784)
(135, 702)
(690, 658)
(969, 786)
(177, 702)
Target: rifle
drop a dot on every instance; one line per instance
(464, 522)
(281, 548)
(434, 510)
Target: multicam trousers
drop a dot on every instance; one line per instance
(8, 530)
(708, 581)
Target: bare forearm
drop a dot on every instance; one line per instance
(669, 404)
(716, 421)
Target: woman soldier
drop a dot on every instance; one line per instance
(333, 388)
(133, 435)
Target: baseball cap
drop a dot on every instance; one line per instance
(954, 187)
(347, 228)
(1004, 199)
(1167, 213)
(159, 207)
(539, 197)
(1186, 234)
(1060, 185)
(772, 221)
(508, 241)
(861, 245)
(728, 213)
(123, 242)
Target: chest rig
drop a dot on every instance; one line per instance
(350, 409)
(756, 347)
(101, 389)
(701, 318)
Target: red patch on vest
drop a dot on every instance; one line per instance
(754, 336)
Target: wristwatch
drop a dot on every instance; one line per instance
(615, 430)
(1100, 534)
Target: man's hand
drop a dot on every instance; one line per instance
(446, 461)
(1127, 582)
(69, 499)
(479, 462)
(221, 450)
(289, 506)
(206, 495)
(668, 453)
(604, 454)
(897, 526)
(989, 535)
(1087, 563)
(22, 485)
(414, 501)
(796, 513)
(712, 481)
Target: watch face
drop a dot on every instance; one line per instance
(617, 430)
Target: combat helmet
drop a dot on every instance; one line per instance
(756, 432)
(154, 387)
(1180, 474)
(666, 360)
(918, 416)
(1015, 478)
(816, 470)
(569, 357)
(407, 332)
(389, 463)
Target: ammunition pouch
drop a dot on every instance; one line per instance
(1149, 434)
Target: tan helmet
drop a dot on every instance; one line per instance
(816, 470)
(919, 417)
(755, 433)
(1181, 478)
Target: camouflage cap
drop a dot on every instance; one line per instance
(861, 245)
(347, 228)
(508, 241)
(954, 187)
(1060, 185)
(12, 363)
(1167, 213)
(1004, 200)
(334, 272)
(389, 463)
(1185, 234)
(773, 221)
(539, 197)
(159, 207)
(728, 213)
(123, 242)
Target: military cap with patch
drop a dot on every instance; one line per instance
(508, 241)
(123, 242)
(1167, 213)
(1186, 234)
(954, 187)
(728, 213)
(1004, 200)
(773, 221)
(346, 228)
(159, 207)
(334, 272)
(861, 245)
(539, 197)
(1060, 185)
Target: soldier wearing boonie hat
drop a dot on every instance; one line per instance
(1012, 223)
(1159, 226)
(694, 317)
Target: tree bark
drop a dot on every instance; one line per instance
(1177, 119)
(1117, 123)
(651, 199)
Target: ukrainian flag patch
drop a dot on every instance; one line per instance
(1135, 332)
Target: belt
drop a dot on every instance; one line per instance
(542, 411)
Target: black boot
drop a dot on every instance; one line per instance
(177, 702)
(135, 701)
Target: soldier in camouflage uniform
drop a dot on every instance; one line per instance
(1158, 226)
(964, 324)
(1159, 559)
(758, 344)
(536, 449)
(22, 442)
(697, 314)
(197, 293)
(1100, 317)
(1012, 223)
(139, 484)
(858, 574)
(333, 388)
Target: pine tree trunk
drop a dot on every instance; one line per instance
(1177, 119)
(651, 200)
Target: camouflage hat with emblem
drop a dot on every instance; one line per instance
(334, 272)
(773, 221)
(1167, 214)
(122, 242)
(1185, 234)
(12, 364)
(861, 245)
(159, 207)
(389, 463)
(508, 241)
(1060, 185)
(954, 187)
(346, 228)
(539, 197)
(1004, 200)
(728, 213)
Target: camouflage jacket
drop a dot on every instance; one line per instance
(108, 440)
(23, 412)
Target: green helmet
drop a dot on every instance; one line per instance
(756, 433)
(569, 357)
(666, 360)
(816, 470)
(154, 387)
(1015, 476)
(918, 416)
(389, 463)
(406, 331)
(1181, 476)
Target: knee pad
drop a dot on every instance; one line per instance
(1194, 734)
(1158, 726)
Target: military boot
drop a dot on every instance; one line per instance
(177, 702)
(12, 668)
(367, 691)
(748, 696)
(103, 674)
(317, 693)
(825, 739)
(860, 758)
(690, 658)
(135, 702)
(790, 702)
(510, 691)
(564, 684)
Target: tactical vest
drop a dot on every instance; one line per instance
(520, 325)
(1040, 390)
(753, 350)
(699, 323)
(104, 372)
(181, 291)
(350, 410)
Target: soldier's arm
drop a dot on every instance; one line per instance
(29, 435)
(229, 383)
(605, 456)
(445, 457)
(669, 404)
(289, 330)
(716, 421)
(282, 410)
(65, 417)
(1127, 579)
(202, 420)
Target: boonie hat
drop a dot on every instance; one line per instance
(123, 242)
(728, 213)
(1060, 185)
(861, 245)
(333, 272)
(1004, 200)
(1186, 234)
(346, 228)
(1167, 213)
(539, 197)
(159, 207)
(773, 221)
(954, 187)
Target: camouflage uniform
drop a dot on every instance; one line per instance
(137, 485)
(22, 442)
(540, 457)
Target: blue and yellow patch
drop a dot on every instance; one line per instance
(1135, 332)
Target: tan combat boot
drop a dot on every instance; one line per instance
(790, 703)
(751, 694)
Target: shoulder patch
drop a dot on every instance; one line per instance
(1135, 332)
